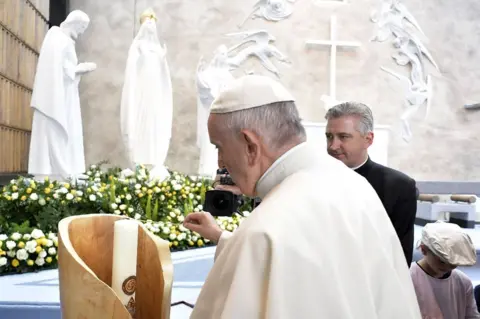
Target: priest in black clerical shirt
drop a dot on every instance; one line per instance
(349, 133)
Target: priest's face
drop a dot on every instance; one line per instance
(345, 142)
(240, 154)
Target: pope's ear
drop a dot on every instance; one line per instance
(252, 145)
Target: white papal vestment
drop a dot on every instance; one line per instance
(320, 245)
(56, 145)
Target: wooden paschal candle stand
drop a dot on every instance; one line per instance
(85, 253)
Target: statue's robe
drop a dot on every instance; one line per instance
(147, 102)
(56, 145)
(320, 245)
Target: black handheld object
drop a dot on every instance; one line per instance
(221, 202)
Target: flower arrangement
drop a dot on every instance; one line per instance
(29, 209)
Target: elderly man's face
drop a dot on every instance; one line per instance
(344, 141)
(240, 155)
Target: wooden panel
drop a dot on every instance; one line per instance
(23, 25)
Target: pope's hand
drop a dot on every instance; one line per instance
(204, 224)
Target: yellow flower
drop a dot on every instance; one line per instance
(55, 241)
(190, 243)
(48, 199)
(140, 195)
(1, 243)
(144, 189)
(67, 186)
(48, 259)
(2, 253)
(29, 190)
(73, 192)
(15, 263)
(149, 192)
(47, 190)
(30, 262)
(38, 249)
(8, 197)
(200, 243)
(170, 244)
(175, 243)
(14, 188)
(21, 244)
(56, 257)
(44, 241)
(50, 186)
(46, 179)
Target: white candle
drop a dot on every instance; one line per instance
(124, 269)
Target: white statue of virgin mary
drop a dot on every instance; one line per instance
(146, 108)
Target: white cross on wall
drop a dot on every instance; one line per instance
(333, 43)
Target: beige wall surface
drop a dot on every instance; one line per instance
(446, 146)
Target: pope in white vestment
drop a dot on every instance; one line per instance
(320, 244)
(147, 107)
(56, 145)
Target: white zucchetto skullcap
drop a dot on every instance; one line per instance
(449, 242)
(250, 91)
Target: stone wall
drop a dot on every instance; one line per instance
(446, 146)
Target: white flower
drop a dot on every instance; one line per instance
(55, 196)
(92, 198)
(89, 173)
(194, 238)
(172, 214)
(172, 236)
(26, 236)
(69, 196)
(31, 246)
(22, 254)
(114, 206)
(51, 236)
(138, 186)
(137, 216)
(123, 207)
(200, 207)
(10, 244)
(63, 190)
(93, 166)
(193, 178)
(37, 233)
(130, 209)
(15, 196)
(191, 196)
(199, 185)
(3, 261)
(180, 218)
(97, 174)
(42, 254)
(42, 202)
(182, 236)
(118, 200)
(177, 187)
(79, 193)
(11, 254)
(183, 229)
(33, 196)
(117, 212)
(157, 189)
(52, 251)
(49, 243)
(3, 237)
(166, 230)
(40, 261)
(128, 197)
(97, 180)
(13, 181)
(16, 236)
(162, 197)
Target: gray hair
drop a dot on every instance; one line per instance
(276, 123)
(356, 109)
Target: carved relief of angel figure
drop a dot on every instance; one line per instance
(272, 10)
(261, 49)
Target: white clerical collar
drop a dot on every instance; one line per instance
(284, 166)
(354, 168)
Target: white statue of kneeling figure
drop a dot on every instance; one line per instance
(56, 146)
